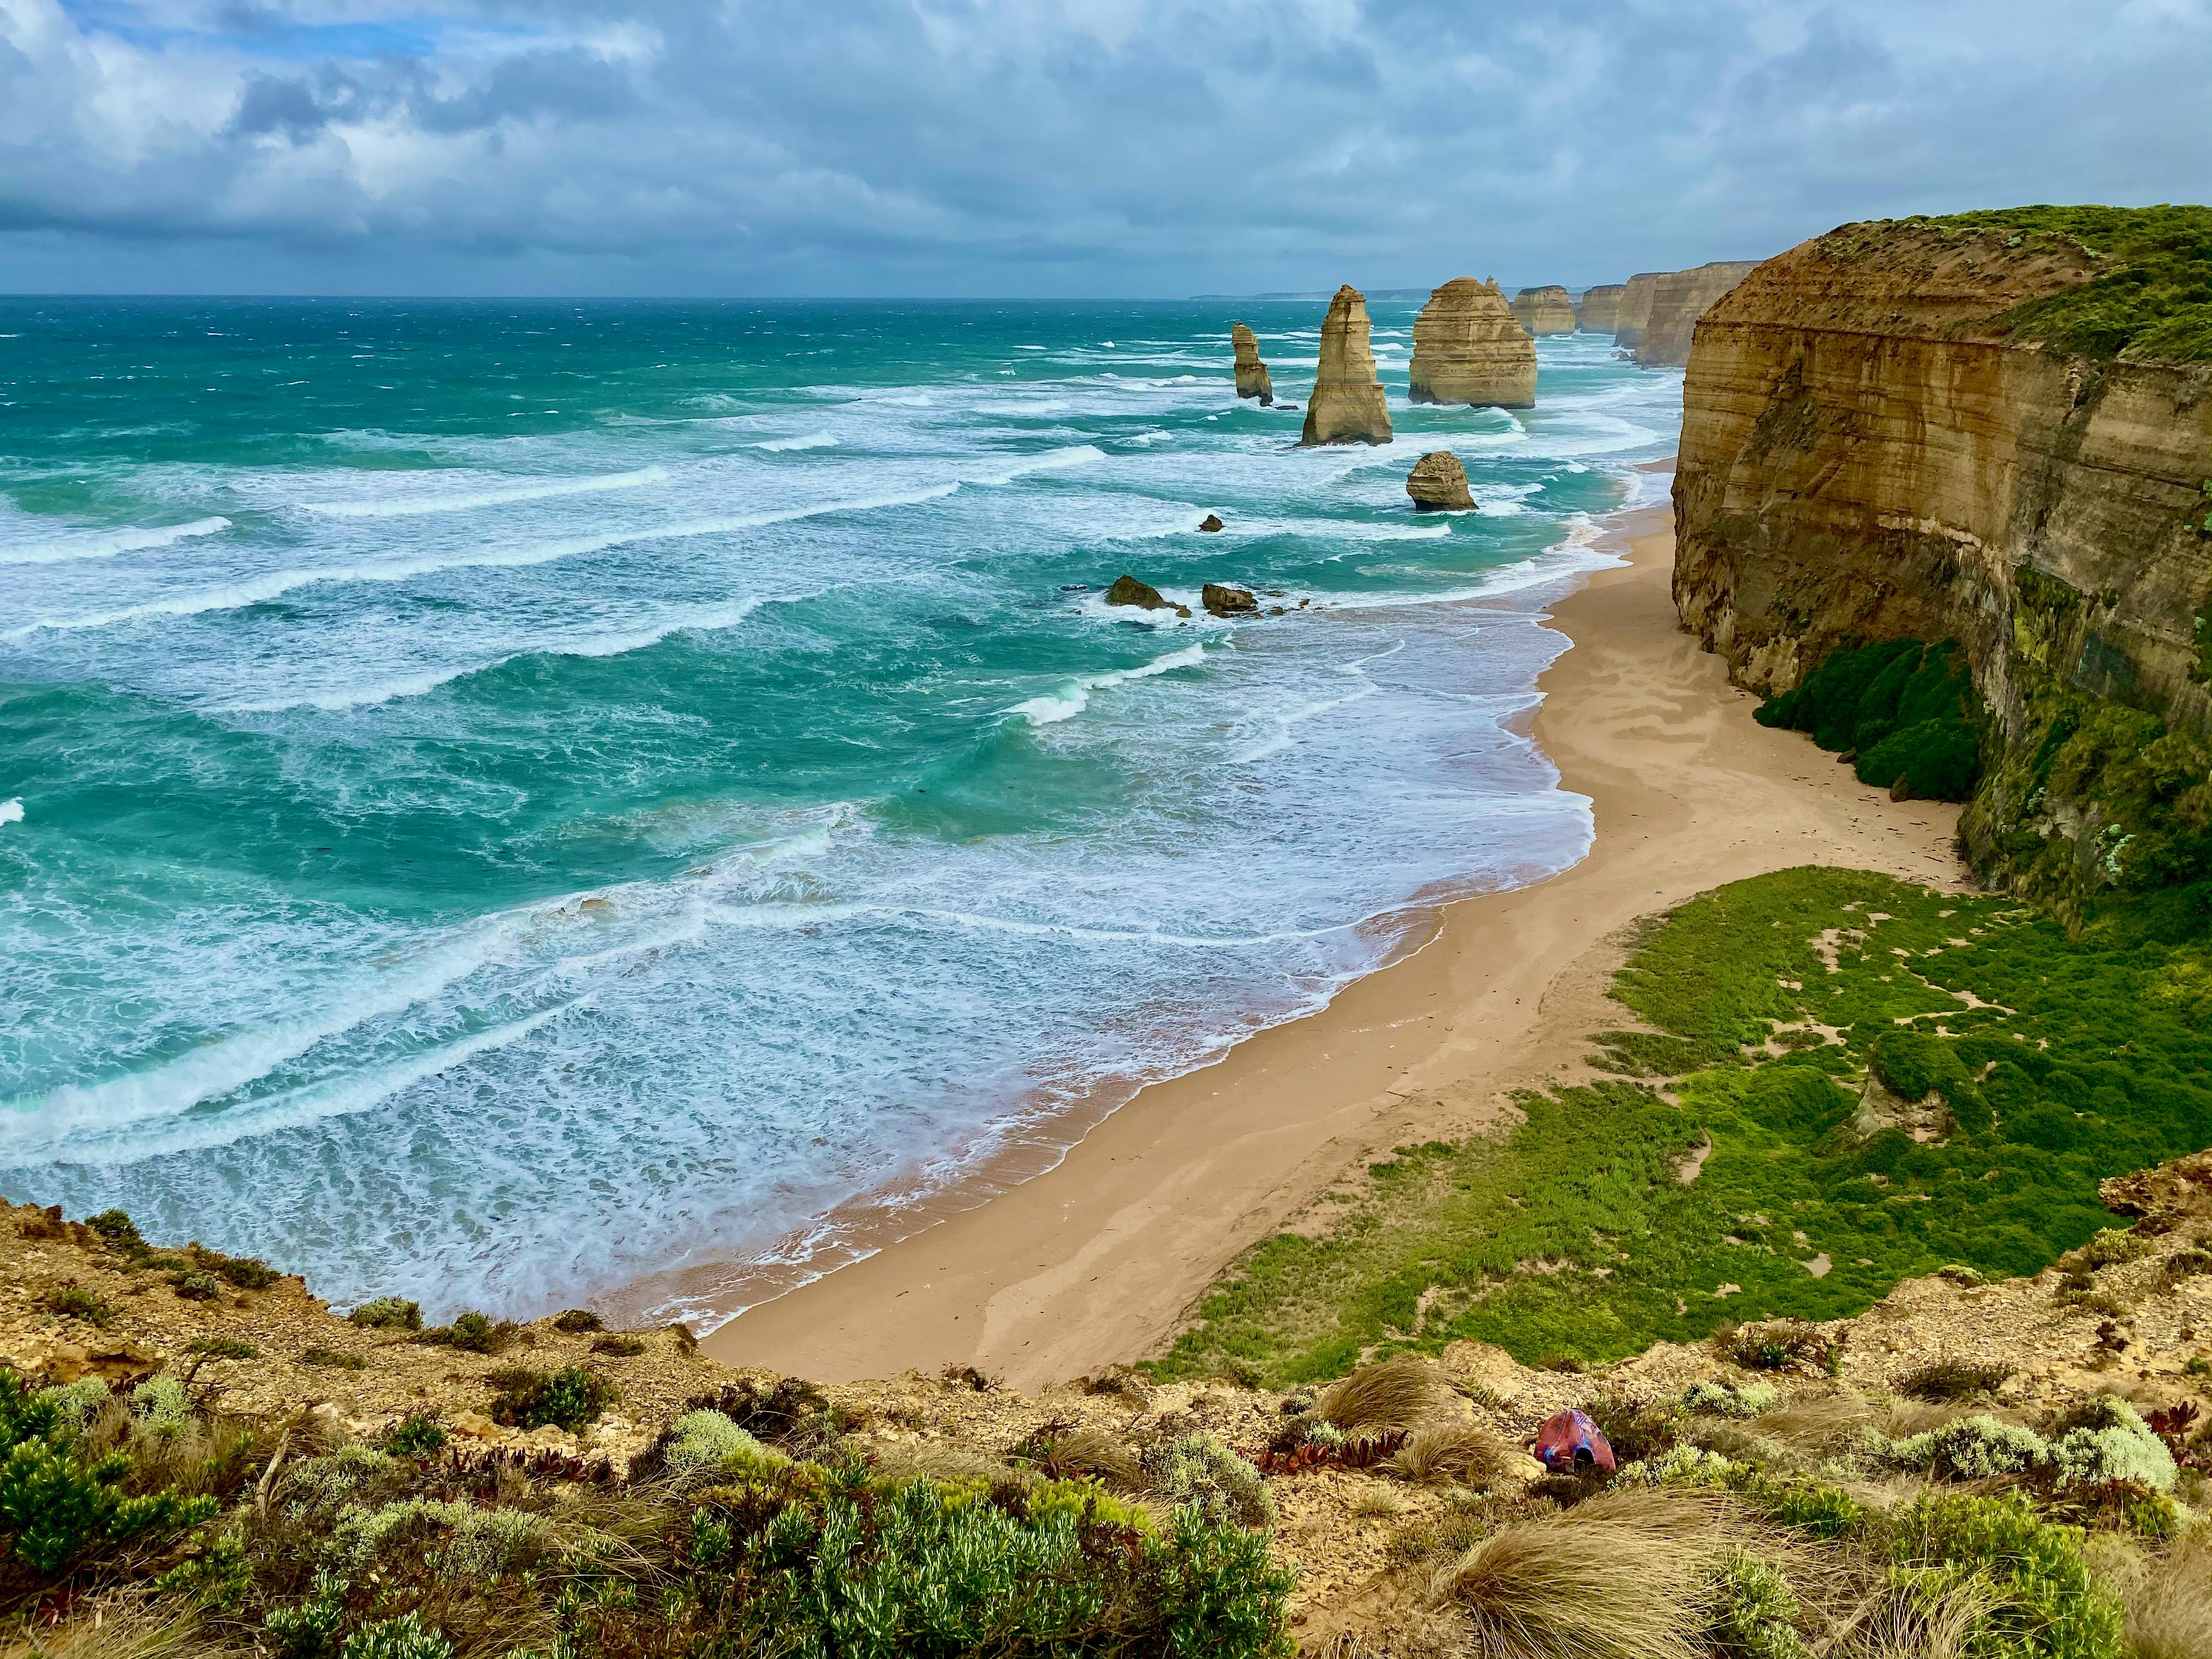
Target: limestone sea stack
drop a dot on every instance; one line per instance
(1545, 310)
(1598, 306)
(1252, 379)
(1467, 349)
(1633, 310)
(1677, 300)
(1439, 481)
(1346, 406)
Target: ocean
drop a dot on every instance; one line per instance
(499, 799)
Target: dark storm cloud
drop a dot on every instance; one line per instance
(1045, 146)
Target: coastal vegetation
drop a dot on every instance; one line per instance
(1905, 712)
(1836, 1081)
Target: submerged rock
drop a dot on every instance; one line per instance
(1222, 601)
(1468, 349)
(1347, 406)
(1127, 590)
(1438, 481)
(1252, 379)
(1545, 310)
(1210, 522)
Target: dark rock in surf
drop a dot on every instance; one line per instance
(1222, 601)
(1127, 590)
(1209, 523)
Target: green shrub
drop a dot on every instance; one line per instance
(1755, 1613)
(403, 1637)
(708, 1439)
(1979, 1447)
(334, 1359)
(1713, 1399)
(2108, 1441)
(196, 1287)
(2045, 1601)
(118, 1230)
(416, 1436)
(567, 1399)
(56, 1504)
(577, 1322)
(1200, 1472)
(309, 1629)
(75, 1301)
(390, 1313)
(620, 1346)
(1952, 1379)
(474, 1332)
(1907, 710)
(161, 1406)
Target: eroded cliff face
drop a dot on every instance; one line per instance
(1633, 310)
(1677, 300)
(1599, 306)
(1470, 349)
(1545, 310)
(1252, 377)
(1347, 406)
(1865, 453)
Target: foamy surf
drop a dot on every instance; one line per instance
(472, 500)
(1065, 704)
(106, 544)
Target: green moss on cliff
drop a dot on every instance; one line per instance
(2154, 302)
(2058, 1062)
(1907, 711)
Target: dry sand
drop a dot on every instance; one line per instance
(1100, 1258)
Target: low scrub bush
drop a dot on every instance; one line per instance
(1201, 1472)
(1906, 712)
(334, 1359)
(75, 1301)
(388, 1312)
(1783, 1345)
(2041, 1598)
(418, 1436)
(620, 1346)
(577, 1322)
(566, 1399)
(474, 1332)
(709, 1440)
(1717, 1399)
(1947, 1379)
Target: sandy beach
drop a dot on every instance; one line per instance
(1099, 1258)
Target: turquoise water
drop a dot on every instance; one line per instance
(499, 798)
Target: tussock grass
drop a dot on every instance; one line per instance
(1447, 1454)
(1622, 1577)
(2170, 1613)
(1397, 1394)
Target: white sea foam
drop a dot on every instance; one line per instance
(11, 811)
(1072, 698)
(106, 543)
(809, 440)
(397, 507)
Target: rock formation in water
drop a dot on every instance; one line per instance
(1677, 300)
(1544, 311)
(1210, 523)
(1595, 310)
(1633, 309)
(1438, 480)
(1346, 405)
(1221, 600)
(1873, 449)
(1127, 590)
(1468, 349)
(1252, 379)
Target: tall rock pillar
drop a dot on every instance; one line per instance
(1468, 349)
(1347, 406)
(1252, 379)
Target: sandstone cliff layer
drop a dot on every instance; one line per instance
(1468, 347)
(1347, 406)
(1868, 452)
(1633, 309)
(1677, 300)
(1545, 310)
(1595, 311)
(1438, 481)
(1252, 379)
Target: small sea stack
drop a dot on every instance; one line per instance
(1347, 406)
(1468, 349)
(1438, 483)
(1223, 601)
(1252, 379)
(1632, 312)
(1595, 311)
(1127, 590)
(1545, 310)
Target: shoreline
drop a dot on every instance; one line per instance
(1097, 1256)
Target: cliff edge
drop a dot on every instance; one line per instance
(1965, 429)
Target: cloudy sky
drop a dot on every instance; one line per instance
(1045, 147)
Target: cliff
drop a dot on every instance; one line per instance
(1677, 300)
(1962, 430)
(1347, 406)
(1633, 310)
(1470, 349)
(1595, 311)
(1545, 310)
(1252, 379)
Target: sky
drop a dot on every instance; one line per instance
(1045, 148)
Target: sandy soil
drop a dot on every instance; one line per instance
(1099, 1260)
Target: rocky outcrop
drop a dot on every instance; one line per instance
(1252, 379)
(1127, 590)
(1867, 452)
(1225, 601)
(1633, 310)
(1438, 481)
(1544, 311)
(1346, 406)
(1211, 524)
(1468, 347)
(1595, 311)
(1677, 300)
